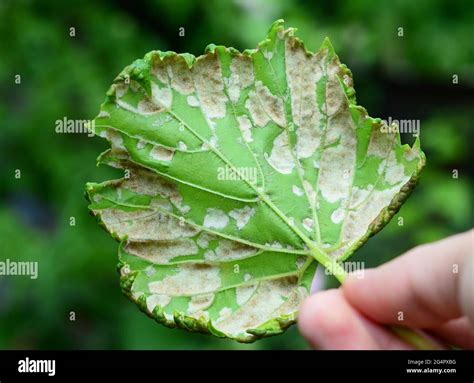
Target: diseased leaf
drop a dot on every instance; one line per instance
(243, 171)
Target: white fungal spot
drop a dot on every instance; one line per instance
(308, 224)
(274, 244)
(281, 159)
(292, 302)
(381, 167)
(121, 89)
(229, 250)
(245, 127)
(381, 141)
(184, 209)
(272, 105)
(125, 270)
(300, 262)
(119, 194)
(182, 146)
(224, 313)
(297, 191)
(263, 106)
(411, 154)
(190, 279)
(359, 195)
(162, 96)
(347, 80)
(161, 252)
(141, 144)
(303, 71)
(157, 300)
(261, 303)
(210, 86)
(241, 76)
(394, 172)
(337, 162)
(210, 255)
(137, 294)
(242, 66)
(203, 240)
(215, 219)
(256, 111)
(212, 143)
(140, 225)
(114, 137)
(143, 226)
(359, 220)
(192, 101)
(145, 107)
(308, 138)
(160, 153)
(97, 198)
(233, 87)
(159, 70)
(180, 76)
(268, 55)
(243, 293)
(150, 271)
(242, 216)
(335, 97)
(337, 215)
(200, 302)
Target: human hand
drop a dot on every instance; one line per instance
(431, 287)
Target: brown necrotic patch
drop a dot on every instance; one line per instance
(264, 302)
(210, 86)
(161, 252)
(190, 279)
(145, 225)
(180, 75)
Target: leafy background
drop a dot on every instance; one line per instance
(407, 77)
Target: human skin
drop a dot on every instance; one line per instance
(431, 287)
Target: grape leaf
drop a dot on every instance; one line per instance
(242, 173)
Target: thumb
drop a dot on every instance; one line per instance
(466, 288)
(418, 289)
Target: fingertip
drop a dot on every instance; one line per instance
(357, 286)
(328, 322)
(306, 313)
(313, 321)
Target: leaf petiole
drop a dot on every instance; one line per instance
(329, 263)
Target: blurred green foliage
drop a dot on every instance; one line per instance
(405, 77)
